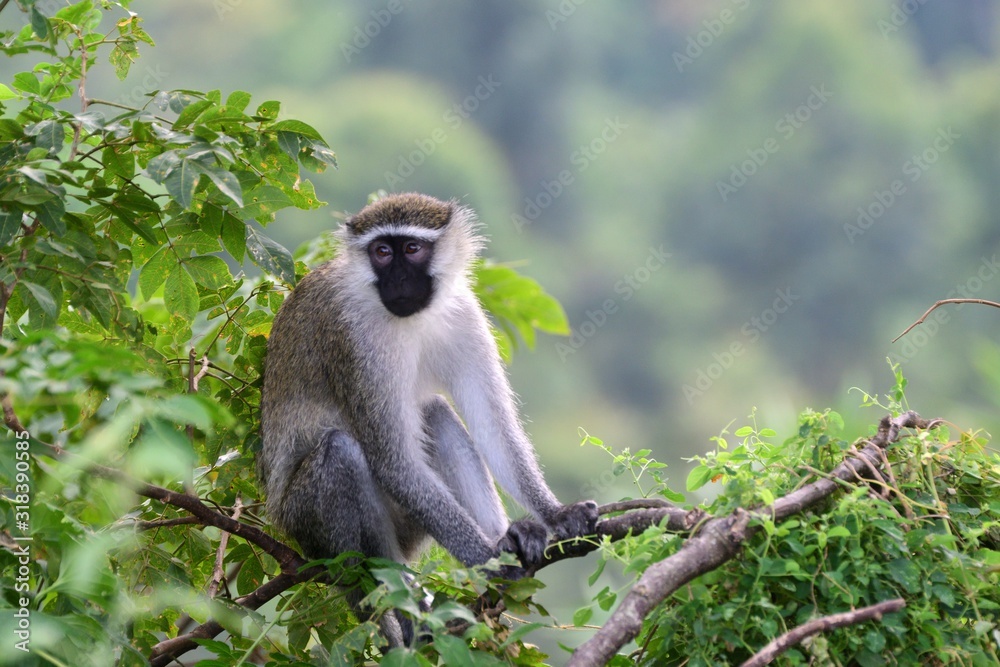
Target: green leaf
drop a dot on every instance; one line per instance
(698, 477)
(180, 295)
(122, 56)
(298, 127)
(181, 182)
(838, 531)
(42, 297)
(193, 409)
(227, 183)
(906, 573)
(289, 142)
(77, 13)
(10, 130)
(10, 225)
(263, 201)
(155, 271)
(269, 110)
(50, 212)
(234, 236)
(119, 161)
(27, 82)
(453, 650)
(39, 24)
(191, 112)
(317, 156)
(6, 93)
(238, 100)
(582, 616)
(270, 256)
(49, 135)
(209, 271)
(160, 166)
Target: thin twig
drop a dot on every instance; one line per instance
(81, 87)
(219, 573)
(165, 523)
(937, 304)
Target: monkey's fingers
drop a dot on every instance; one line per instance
(527, 540)
(575, 520)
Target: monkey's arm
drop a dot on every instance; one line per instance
(395, 457)
(482, 393)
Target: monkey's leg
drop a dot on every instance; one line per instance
(336, 507)
(455, 458)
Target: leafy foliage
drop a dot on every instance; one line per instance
(928, 532)
(132, 339)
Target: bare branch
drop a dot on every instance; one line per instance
(637, 503)
(823, 624)
(165, 523)
(674, 519)
(937, 304)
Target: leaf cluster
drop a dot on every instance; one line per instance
(927, 531)
(133, 339)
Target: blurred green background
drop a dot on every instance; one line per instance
(739, 203)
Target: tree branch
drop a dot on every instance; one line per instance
(721, 539)
(823, 624)
(169, 650)
(941, 303)
(674, 519)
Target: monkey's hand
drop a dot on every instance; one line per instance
(576, 520)
(527, 540)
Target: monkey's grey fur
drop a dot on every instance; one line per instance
(361, 451)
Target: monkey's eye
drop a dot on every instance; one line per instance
(412, 248)
(380, 253)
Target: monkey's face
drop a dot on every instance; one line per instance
(401, 265)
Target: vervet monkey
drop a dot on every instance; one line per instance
(361, 449)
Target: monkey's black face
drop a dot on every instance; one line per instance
(401, 264)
